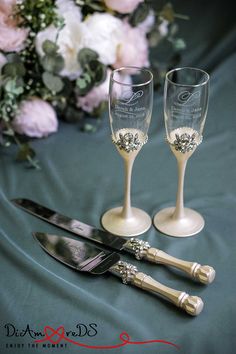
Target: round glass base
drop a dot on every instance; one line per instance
(191, 224)
(113, 222)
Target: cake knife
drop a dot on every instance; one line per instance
(140, 249)
(84, 257)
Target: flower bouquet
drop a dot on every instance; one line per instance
(56, 56)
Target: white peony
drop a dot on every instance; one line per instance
(103, 34)
(70, 39)
(68, 10)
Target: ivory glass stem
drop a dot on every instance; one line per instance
(179, 209)
(126, 211)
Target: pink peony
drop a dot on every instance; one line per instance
(123, 6)
(100, 93)
(133, 48)
(11, 38)
(36, 118)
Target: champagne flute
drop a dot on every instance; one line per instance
(130, 110)
(185, 108)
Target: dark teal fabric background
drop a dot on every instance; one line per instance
(82, 176)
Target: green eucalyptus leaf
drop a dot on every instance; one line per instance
(87, 77)
(179, 44)
(85, 55)
(139, 15)
(85, 83)
(89, 128)
(100, 74)
(12, 88)
(53, 63)
(13, 69)
(13, 58)
(93, 65)
(81, 83)
(49, 47)
(52, 82)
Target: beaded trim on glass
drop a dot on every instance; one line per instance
(185, 142)
(129, 142)
(138, 247)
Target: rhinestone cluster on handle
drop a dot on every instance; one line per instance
(125, 271)
(138, 247)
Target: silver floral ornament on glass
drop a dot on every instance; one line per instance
(129, 142)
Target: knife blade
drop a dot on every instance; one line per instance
(140, 249)
(86, 258)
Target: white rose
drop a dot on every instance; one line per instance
(103, 35)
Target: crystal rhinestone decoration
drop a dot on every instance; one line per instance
(127, 271)
(139, 247)
(128, 142)
(184, 142)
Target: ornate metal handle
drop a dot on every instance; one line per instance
(202, 273)
(193, 305)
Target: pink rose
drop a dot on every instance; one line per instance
(123, 6)
(133, 48)
(36, 119)
(100, 93)
(11, 38)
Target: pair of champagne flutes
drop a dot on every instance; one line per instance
(130, 109)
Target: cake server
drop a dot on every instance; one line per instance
(139, 248)
(84, 257)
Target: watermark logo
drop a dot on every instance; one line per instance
(61, 338)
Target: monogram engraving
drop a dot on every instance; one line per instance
(187, 98)
(126, 99)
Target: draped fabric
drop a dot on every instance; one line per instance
(82, 176)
